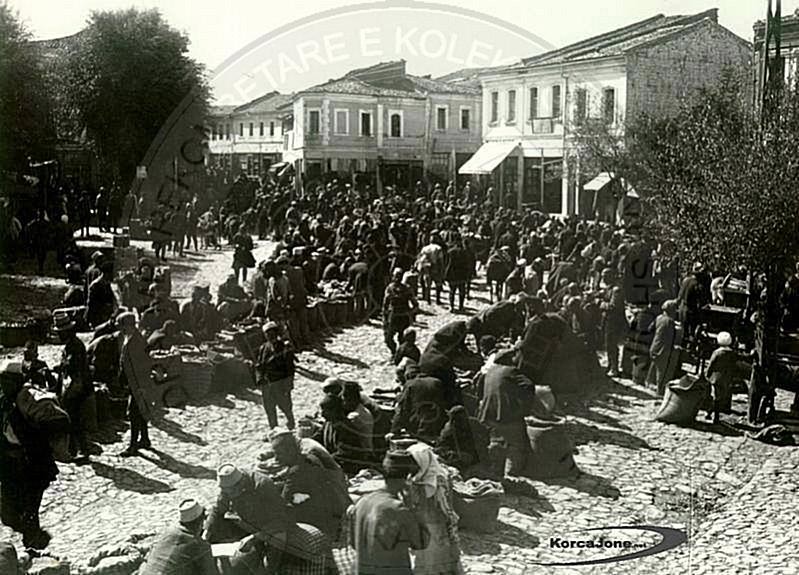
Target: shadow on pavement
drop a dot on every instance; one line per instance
(338, 357)
(311, 374)
(587, 483)
(169, 463)
(130, 480)
(173, 429)
(582, 434)
(246, 394)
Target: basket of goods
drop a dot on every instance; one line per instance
(197, 375)
(477, 502)
(552, 450)
(167, 365)
(327, 314)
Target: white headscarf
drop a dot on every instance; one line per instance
(429, 468)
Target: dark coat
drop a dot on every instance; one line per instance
(179, 552)
(508, 396)
(422, 408)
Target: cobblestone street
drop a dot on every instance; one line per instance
(634, 471)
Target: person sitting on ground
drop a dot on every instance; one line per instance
(421, 408)
(315, 494)
(181, 550)
(232, 301)
(35, 370)
(359, 416)
(161, 309)
(264, 526)
(408, 347)
(199, 317)
(168, 336)
(463, 441)
(76, 293)
(338, 436)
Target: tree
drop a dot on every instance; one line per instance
(128, 74)
(25, 111)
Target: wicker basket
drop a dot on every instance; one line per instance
(552, 450)
(477, 514)
(197, 377)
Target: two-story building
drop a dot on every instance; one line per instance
(247, 138)
(392, 127)
(531, 109)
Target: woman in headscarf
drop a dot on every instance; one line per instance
(430, 496)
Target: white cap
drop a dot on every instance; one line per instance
(724, 338)
(190, 510)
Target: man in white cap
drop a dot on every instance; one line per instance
(265, 527)
(181, 549)
(275, 367)
(722, 370)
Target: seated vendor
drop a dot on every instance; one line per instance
(318, 496)
(199, 317)
(168, 336)
(264, 526)
(339, 437)
(232, 301)
(35, 370)
(161, 309)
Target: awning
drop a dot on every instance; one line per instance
(488, 157)
(603, 179)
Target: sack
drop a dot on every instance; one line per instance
(683, 399)
(42, 411)
(477, 503)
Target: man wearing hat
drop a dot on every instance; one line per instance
(722, 370)
(100, 298)
(692, 298)
(181, 550)
(382, 528)
(134, 374)
(232, 301)
(74, 382)
(264, 524)
(93, 271)
(275, 368)
(458, 272)
(398, 303)
(318, 496)
(298, 300)
(27, 466)
(662, 350)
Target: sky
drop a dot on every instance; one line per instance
(217, 29)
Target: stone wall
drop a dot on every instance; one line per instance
(666, 75)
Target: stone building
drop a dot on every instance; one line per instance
(532, 109)
(385, 126)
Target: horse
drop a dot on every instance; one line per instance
(498, 268)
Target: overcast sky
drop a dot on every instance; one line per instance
(219, 28)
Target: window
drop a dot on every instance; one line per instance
(494, 107)
(608, 105)
(261, 129)
(395, 124)
(366, 123)
(511, 106)
(533, 103)
(466, 119)
(441, 118)
(556, 101)
(271, 128)
(313, 121)
(251, 132)
(342, 122)
(213, 132)
(227, 131)
(581, 112)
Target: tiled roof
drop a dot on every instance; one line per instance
(269, 102)
(623, 40)
(438, 86)
(358, 87)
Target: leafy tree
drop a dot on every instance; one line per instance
(129, 72)
(25, 111)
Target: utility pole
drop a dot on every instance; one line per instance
(771, 67)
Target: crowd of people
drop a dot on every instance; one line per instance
(563, 293)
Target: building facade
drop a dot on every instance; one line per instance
(384, 126)
(532, 109)
(247, 138)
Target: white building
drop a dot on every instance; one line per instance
(531, 109)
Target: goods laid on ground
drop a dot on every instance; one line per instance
(16, 333)
(477, 503)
